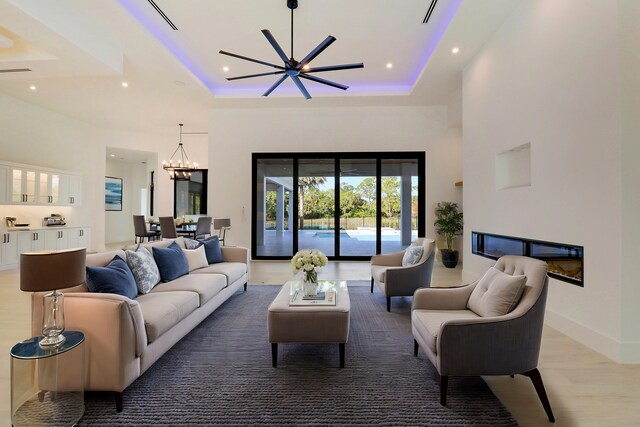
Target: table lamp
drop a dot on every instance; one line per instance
(50, 271)
(222, 224)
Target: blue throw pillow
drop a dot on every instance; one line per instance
(171, 262)
(115, 278)
(212, 249)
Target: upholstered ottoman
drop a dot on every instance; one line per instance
(309, 324)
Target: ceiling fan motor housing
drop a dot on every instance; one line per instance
(292, 4)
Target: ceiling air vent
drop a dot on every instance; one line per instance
(165, 17)
(430, 11)
(14, 70)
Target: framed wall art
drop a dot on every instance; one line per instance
(112, 193)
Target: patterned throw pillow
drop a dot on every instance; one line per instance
(144, 269)
(196, 258)
(412, 255)
(191, 244)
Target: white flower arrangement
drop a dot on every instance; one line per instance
(308, 260)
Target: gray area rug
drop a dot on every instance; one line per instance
(221, 374)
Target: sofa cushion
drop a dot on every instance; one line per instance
(496, 294)
(171, 262)
(232, 270)
(114, 278)
(412, 255)
(196, 258)
(144, 269)
(428, 323)
(379, 272)
(212, 249)
(163, 310)
(206, 286)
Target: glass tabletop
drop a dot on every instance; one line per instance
(30, 349)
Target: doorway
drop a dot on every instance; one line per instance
(348, 205)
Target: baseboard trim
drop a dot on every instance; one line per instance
(620, 352)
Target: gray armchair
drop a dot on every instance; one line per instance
(394, 279)
(458, 341)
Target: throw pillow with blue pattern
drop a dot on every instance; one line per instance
(191, 244)
(144, 269)
(412, 255)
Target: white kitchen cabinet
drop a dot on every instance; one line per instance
(30, 241)
(74, 190)
(79, 237)
(23, 186)
(49, 187)
(9, 249)
(4, 184)
(56, 239)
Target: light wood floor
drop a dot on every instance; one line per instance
(584, 387)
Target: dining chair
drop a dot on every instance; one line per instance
(203, 227)
(222, 225)
(140, 229)
(168, 227)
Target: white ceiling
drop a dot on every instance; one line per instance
(81, 51)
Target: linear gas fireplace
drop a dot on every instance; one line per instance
(566, 262)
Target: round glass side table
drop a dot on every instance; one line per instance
(47, 385)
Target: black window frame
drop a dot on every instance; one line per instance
(378, 156)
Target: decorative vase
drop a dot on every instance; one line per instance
(310, 282)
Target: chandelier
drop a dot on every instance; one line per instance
(182, 167)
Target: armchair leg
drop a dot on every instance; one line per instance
(118, 396)
(416, 346)
(536, 379)
(388, 303)
(444, 382)
(372, 285)
(245, 287)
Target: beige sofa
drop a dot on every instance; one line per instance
(124, 337)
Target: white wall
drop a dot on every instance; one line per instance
(550, 76)
(36, 136)
(234, 134)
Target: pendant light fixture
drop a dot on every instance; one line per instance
(181, 167)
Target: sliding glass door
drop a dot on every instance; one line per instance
(348, 205)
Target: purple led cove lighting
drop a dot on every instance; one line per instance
(449, 9)
(447, 16)
(142, 17)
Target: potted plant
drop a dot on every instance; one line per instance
(448, 224)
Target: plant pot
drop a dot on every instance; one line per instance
(449, 258)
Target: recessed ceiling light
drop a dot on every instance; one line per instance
(225, 69)
(389, 65)
(113, 155)
(33, 87)
(306, 67)
(455, 50)
(125, 84)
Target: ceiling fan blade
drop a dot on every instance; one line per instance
(255, 75)
(252, 60)
(332, 68)
(277, 47)
(275, 85)
(325, 82)
(298, 83)
(317, 51)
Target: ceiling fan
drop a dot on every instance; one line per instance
(292, 68)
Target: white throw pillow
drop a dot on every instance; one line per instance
(496, 294)
(196, 258)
